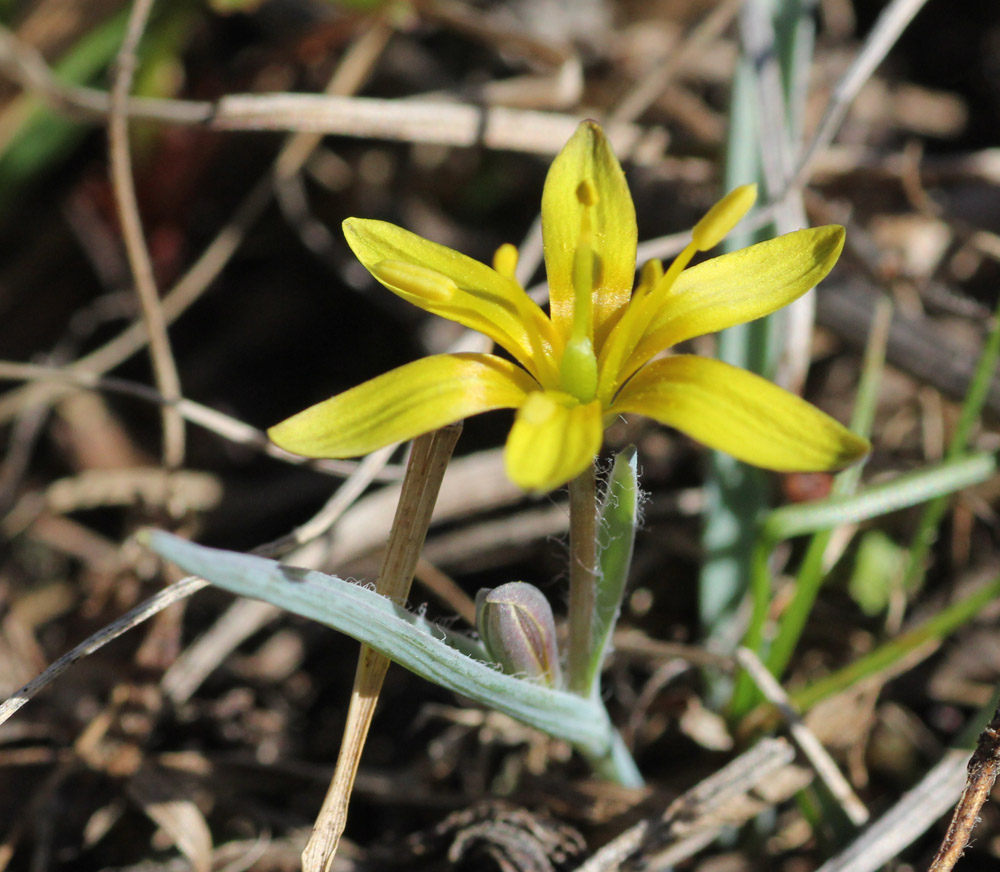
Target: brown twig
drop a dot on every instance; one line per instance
(164, 367)
(918, 347)
(983, 768)
(447, 590)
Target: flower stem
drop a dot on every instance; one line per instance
(582, 577)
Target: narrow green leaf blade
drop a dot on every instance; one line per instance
(909, 489)
(391, 630)
(616, 534)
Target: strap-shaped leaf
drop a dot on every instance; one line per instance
(401, 636)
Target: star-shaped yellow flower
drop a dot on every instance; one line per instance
(591, 358)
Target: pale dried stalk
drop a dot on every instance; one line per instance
(646, 91)
(223, 425)
(906, 821)
(693, 819)
(142, 612)
(350, 76)
(806, 740)
(891, 23)
(428, 461)
(164, 367)
(412, 120)
(245, 617)
(31, 70)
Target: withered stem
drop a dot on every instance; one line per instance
(983, 768)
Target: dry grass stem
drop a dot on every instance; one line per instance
(915, 812)
(291, 158)
(164, 367)
(158, 602)
(343, 498)
(416, 120)
(202, 657)
(245, 617)
(445, 588)
(198, 744)
(488, 542)
(186, 292)
(891, 23)
(473, 484)
(853, 808)
(648, 89)
(428, 460)
(698, 816)
(223, 425)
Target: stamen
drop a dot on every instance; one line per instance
(420, 281)
(707, 233)
(505, 260)
(649, 275)
(586, 194)
(646, 302)
(723, 217)
(542, 365)
(653, 291)
(666, 281)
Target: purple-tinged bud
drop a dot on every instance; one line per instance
(516, 625)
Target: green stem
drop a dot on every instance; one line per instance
(906, 490)
(617, 764)
(975, 399)
(616, 540)
(931, 631)
(884, 658)
(745, 692)
(582, 577)
(811, 575)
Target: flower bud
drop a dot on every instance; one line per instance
(516, 625)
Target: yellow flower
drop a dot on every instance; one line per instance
(589, 360)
